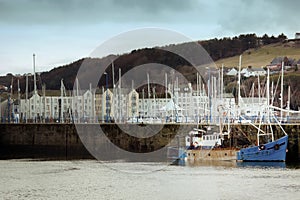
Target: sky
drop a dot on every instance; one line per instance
(62, 31)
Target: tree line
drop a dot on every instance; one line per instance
(228, 47)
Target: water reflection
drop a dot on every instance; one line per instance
(262, 164)
(234, 164)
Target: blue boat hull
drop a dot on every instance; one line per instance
(272, 151)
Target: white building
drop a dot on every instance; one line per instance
(248, 72)
(133, 104)
(107, 105)
(252, 106)
(39, 108)
(232, 72)
(258, 72)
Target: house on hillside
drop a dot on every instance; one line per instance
(258, 71)
(248, 72)
(276, 63)
(297, 36)
(232, 72)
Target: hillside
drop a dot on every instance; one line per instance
(263, 55)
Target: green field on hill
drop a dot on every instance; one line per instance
(262, 56)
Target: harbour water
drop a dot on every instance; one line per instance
(91, 179)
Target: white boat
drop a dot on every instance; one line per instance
(199, 138)
(202, 145)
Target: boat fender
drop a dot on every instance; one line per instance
(276, 146)
(261, 147)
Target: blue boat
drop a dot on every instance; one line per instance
(271, 151)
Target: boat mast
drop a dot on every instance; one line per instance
(61, 101)
(44, 98)
(154, 115)
(197, 97)
(222, 82)
(281, 92)
(166, 95)
(149, 95)
(272, 93)
(268, 99)
(239, 86)
(258, 88)
(209, 94)
(268, 95)
(289, 100)
(11, 109)
(19, 95)
(35, 91)
(26, 98)
(143, 104)
(120, 95)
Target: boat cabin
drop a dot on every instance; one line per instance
(200, 138)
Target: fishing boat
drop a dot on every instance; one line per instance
(208, 145)
(271, 151)
(268, 150)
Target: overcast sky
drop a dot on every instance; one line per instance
(62, 31)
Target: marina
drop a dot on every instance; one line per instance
(181, 101)
(149, 100)
(182, 105)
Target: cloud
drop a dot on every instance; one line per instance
(72, 28)
(234, 16)
(268, 16)
(43, 12)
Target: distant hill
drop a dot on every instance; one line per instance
(262, 56)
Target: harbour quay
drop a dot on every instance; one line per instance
(79, 141)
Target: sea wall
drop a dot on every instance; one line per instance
(67, 141)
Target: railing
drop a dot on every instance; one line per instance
(166, 119)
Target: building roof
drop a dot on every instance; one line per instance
(257, 69)
(277, 60)
(232, 72)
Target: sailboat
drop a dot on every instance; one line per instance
(274, 150)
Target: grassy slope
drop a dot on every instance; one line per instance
(263, 56)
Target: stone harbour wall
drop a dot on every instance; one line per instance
(62, 141)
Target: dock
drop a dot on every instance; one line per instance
(62, 141)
